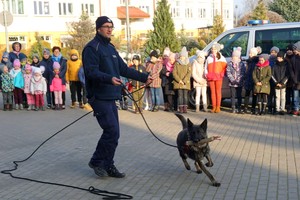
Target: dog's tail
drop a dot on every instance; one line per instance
(183, 120)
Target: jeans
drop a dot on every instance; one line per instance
(155, 96)
(236, 92)
(296, 100)
(106, 114)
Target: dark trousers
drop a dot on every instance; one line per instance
(18, 95)
(236, 92)
(106, 114)
(182, 97)
(75, 89)
(247, 94)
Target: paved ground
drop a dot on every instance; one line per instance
(257, 158)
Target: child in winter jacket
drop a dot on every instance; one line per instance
(38, 88)
(200, 83)
(280, 78)
(261, 78)
(57, 87)
(17, 74)
(7, 88)
(73, 66)
(27, 81)
(236, 74)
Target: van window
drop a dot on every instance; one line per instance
(238, 39)
(280, 38)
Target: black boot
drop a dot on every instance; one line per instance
(264, 107)
(259, 108)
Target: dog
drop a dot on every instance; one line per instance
(192, 142)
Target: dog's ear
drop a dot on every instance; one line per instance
(190, 123)
(204, 125)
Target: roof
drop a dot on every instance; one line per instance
(134, 13)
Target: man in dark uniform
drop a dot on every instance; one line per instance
(103, 67)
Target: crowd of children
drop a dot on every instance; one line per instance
(271, 82)
(25, 82)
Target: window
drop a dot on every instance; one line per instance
(41, 7)
(266, 39)
(15, 6)
(65, 8)
(188, 13)
(225, 14)
(145, 9)
(123, 2)
(238, 39)
(88, 9)
(201, 13)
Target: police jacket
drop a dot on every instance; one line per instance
(101, 62)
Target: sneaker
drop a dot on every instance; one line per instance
(49, 106)
(114, 172)
(21, 107)
(98, 170)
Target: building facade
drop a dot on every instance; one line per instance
(48, 18)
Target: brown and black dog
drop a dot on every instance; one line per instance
(192, 142)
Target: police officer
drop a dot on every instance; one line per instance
(103, 67)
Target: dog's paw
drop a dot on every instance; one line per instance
(199, 171)
(216, 184)
(188, 167)
(209, 164)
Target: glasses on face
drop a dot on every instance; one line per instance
(108, 27)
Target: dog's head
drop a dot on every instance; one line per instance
(197, 132)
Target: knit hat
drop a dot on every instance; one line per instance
(255, 51)
(46, 51)
(290, 47)
(167, 51)
(172, 55)
(237, 52)
(102, 20)
(276, 49)
(297, 46)
(56, 65)
(154, 53)
(184, 53)
(42, 68)
(17, 63)
(22, 57)
(264, 56)
(201, 54)
(136, 57)
(28, 67)
(217, 46)
(38, 71)
(35, 55)
(280, 54)
(5, 55)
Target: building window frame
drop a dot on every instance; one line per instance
(16, 7)
(41, 7)
(65, 8)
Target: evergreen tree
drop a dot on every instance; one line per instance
(163, 34)
(81, 33)
(38, 46)
(260, 11)
(218, 27)
(288, 9)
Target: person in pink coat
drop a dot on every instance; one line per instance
(27, 81)
(57, 87)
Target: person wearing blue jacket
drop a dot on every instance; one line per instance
(103, 67)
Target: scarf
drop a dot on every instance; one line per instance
(265, 64)
(56, 59)
(169, 68)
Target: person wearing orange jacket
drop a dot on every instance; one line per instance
(73, 66)
(215, 67)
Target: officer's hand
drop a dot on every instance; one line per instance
(116, 81)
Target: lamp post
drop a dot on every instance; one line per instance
(5, 25)
(127, 29)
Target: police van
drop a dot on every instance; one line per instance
(256, 33)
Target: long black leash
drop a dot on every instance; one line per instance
(106, 194)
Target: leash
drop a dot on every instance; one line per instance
(106, 194)
(130, 96)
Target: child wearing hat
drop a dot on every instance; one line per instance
(38, 88)
(7, 88)
(261, 77)
(154, 66)
(5, 60)
(215, 68)
(200, 83)
(17, 75)
(57, 87)
(236, 74)
(280, 78)
(249, 85)
(27, 82)
(182, 74)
